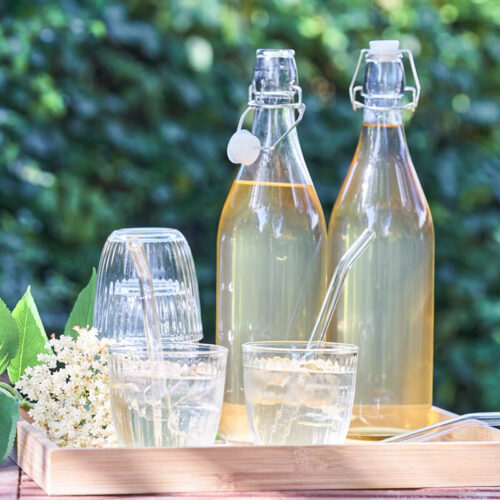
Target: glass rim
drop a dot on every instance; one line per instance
(275, 346)
(383, 58)
(284, 53)
(179, 349)
(146, 234)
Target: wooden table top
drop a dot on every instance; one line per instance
(15, 484)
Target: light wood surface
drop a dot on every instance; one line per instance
(14, 484)
(62, 471)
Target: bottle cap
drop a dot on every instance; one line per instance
(383, 51)
(243, 147)
(384, 48)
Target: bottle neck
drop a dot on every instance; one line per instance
(383, 89)
(390, 117)
(273, 89)
(285, 163)
(382, 135)
(270, 124)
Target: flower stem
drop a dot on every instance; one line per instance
(26, 405)
(10, 390)
(23, 403)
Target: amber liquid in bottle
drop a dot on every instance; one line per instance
(270, 253)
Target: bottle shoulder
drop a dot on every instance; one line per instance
(382, 183)
(381, 217)
(285, 166)
(382, 200)
(268, 206)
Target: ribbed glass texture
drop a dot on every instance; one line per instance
(117, 309)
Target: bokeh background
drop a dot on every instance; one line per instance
(117, 114)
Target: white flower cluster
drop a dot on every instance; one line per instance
(71, 391)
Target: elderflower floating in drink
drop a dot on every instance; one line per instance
(175, 399)
(297, 395)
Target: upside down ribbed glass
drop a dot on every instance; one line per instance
(117, 307)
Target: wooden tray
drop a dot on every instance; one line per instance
(71, 471)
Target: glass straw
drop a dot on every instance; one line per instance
(148, 301)
(435, 430)
(334, 288)
(151, 327)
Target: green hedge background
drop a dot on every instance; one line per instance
(118, 115)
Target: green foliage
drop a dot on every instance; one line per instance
(9, 337)
(22, 338)
(32, 337)
(9, 410)
(82, 313)
(118, 115)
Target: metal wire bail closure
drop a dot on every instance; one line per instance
(299, 106)
(244, 147)
(415, 91)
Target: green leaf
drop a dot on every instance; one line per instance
(32, 337)
(9, 412)
(12, 391)
(83, 310)
(9, 337)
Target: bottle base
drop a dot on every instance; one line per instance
(234, 427)
(374, 423)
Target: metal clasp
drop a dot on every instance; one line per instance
(415, 91)
(252, 104)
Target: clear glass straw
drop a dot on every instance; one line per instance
(148, 301)
(334, 288)
(151, 328)
(432, 431)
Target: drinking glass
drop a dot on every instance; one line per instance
(117, 306)
(174, 400)
(297, 395)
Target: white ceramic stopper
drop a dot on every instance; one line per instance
(384, 48)
(243, 147)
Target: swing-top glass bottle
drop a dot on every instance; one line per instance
(271, 245)
(387, 304)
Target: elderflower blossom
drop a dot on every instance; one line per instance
(71, 391)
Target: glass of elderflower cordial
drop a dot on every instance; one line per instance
(171, 399)
(299, 395)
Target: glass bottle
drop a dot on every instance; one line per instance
(271, 244)
(387, 304)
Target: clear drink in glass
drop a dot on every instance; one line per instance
(190, 380)
(299, 396)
